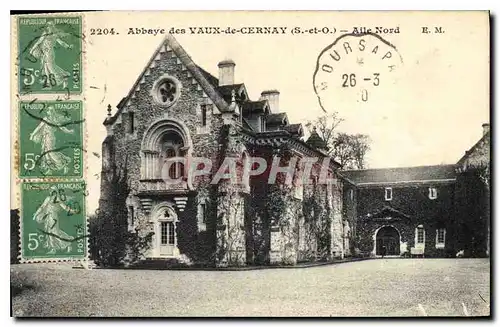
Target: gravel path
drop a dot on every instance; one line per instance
(382, 287)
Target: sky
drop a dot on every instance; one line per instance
(428, 111)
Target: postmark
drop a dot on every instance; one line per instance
(50, 139)
(50, 54)
(354, 69)
(53, 223)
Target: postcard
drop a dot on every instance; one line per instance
(250, 164)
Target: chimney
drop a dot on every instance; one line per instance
(486, 128)
(226, 72)
(273, 97)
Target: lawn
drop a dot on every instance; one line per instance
(381, 287)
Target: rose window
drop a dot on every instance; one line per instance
(166, 91)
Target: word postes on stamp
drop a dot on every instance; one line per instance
(50, 55)
(50, 139)
(354, 68)
(53, 221)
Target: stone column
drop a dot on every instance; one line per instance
(338, 250)
(283, 211)
(230, 227)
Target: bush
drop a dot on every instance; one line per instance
(113, 245)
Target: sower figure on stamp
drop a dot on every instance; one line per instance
(55, 205)
(44, 134)
(43, 50)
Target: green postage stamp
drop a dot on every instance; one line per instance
(53, 222)
(50, 54)
(50, 139)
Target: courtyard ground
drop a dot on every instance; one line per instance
(380, 287)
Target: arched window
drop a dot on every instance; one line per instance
(172, 147)
(166, 147)
(172, 172)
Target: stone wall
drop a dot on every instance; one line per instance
(473, 199)
(337, 227)
(284, 212)
(412, 201)
(122, 150)
(266, 224)
(349, 213)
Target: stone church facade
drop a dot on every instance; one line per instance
(176, 109)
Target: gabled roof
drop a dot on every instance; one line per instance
(280, 118)
(386, 213)
(207, 82)
(468, 153)
(400, 175)
(294, 129)
(227, 90)
(388, 210)
(247, 125)
(316, 141)
(210, 78)
(255, 106)
(121, 103)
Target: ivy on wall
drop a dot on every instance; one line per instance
(111, 244)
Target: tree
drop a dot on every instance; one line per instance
(111, 243)
(478, 162)
(347, 149)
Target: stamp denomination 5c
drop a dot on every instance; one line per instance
(53, 222)
(50, 138)
(50, 54)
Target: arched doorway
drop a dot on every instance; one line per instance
(165, 227)
(387, 241)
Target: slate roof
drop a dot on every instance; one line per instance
(280, 118)
(294, 129)
(471, 150)
(121, 103)
(254, 106)
(226, 91)
(209, 77)
(247, 125)
(398, 175)
(316, 141)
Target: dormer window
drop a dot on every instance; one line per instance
(388, 193)
(262, 123)
(433, 193)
